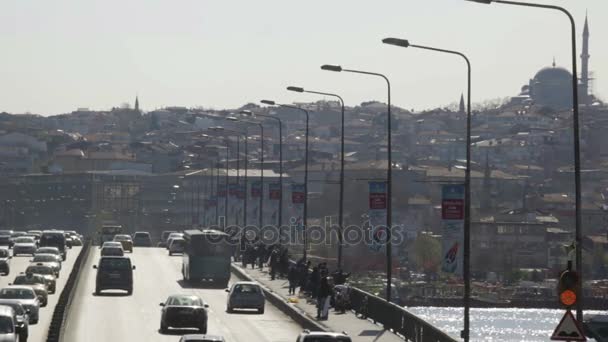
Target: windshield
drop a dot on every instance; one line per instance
(185, 301)
(115, 263)
(52, 239)
(142, 235)
(39, 270)
(12, 293)
(47, 250)
(6, 325)
(246, 289)
(24, 280)
(44, 258)
(122, 238)
(24, 240)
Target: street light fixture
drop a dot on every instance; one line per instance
(577, 149)
(389, 175)
(305, 213)
(341, 197)
(467, 182)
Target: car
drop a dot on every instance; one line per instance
(46, 272)
(51, 260)
(114, 273)
(245, 295)
(76, 241)
(201, 338)
(5, 257)
(125, 240)
(164, 236)
(36, 282)
(142, 239)
(177, 245)
(54, 238)
(5, 238)
(184, 311)
(323, 336)
(24, 245)
(26, 296)
(8, 325)
(15, 235)
(173, 236)
(49, 250)
(112, 251)
(21, 318)
(68, 240)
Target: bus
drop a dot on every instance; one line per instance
(108, 231)
(207, 257)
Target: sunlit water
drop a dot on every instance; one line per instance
(529, 325)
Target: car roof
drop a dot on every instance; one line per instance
(115, 257)
(6, 311)
(324, 334)
(19, 287)
(197, 337)
(247, 283)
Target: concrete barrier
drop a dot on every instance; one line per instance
(65, 298)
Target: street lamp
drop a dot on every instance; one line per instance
(305, 213)
(389, 173)
(577, 149)
(341, 199)
(467, 182)
(220, 129)
(249, 113)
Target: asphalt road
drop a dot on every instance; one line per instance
(118, 317)
(19, 263)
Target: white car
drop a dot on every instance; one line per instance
(177, 245)
(313, 336)
(24, 245)
(8, 329)
(173, 236)
(26, 297)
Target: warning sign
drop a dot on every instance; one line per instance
(568, 329)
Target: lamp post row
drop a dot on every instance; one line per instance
(467, 214)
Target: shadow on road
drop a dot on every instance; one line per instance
(200, 285)
(178, 332)
(111, 294)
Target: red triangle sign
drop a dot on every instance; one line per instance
(568, 329)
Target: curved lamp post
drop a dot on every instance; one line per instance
(341, 197)
(389, 175)
(577, 148)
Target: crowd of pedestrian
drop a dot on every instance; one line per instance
(321, 287)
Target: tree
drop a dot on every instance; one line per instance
(427, 251)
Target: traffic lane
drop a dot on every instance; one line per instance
(118, 317)
(38, 332)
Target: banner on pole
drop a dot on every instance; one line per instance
(274, 191)
(377, 215)
(297, 193)
(452, 214)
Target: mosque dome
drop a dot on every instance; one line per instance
(552, 87)
(553, 75)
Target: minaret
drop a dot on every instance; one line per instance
(585, 64)
(461, 109)
(136, 103)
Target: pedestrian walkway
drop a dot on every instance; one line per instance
(360, 330)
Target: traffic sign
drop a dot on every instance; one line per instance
(568, 329)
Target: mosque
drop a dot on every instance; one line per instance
(552, 86)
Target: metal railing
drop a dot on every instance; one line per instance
(395, 318)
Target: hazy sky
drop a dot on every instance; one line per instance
(62, 54)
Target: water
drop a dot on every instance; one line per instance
(513, 325)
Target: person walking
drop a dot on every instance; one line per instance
(274, 264)
(323, 297)
(292, 277)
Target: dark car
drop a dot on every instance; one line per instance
(54, 238)
(5, 256)
(5, 238)
(245, 295)
(114, 273)
(142, 239)
(22, 319)
(184, 311)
